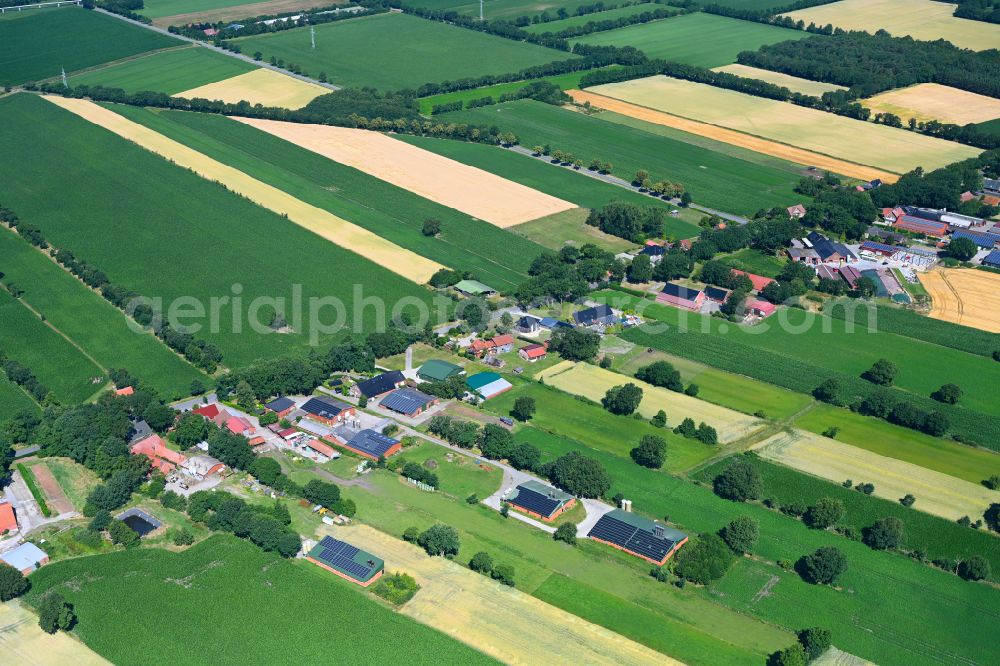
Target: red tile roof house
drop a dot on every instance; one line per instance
(760, 308)
(240, 426)
(214, 413)
(321, 449)
(758, 281)
(164, 459)
(125, 391)
(8, 521)
(532, 353)
(501, 344)
(798, 211)
(681, 297)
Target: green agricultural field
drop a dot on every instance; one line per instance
(58, 365)
(752, 261)
(500, 9)
(748, 187)
(699, 39)
(92, 323)
(564, 81)
(38, 45)
(493, 255)
(159, 8)
(167, 72)
(990, 126)
(400, 51)
(570, 227)
(936, 537)
(607, 15)
(563, 183)
(942, 455)
(185, 236)
(13, 399)
(191, 589)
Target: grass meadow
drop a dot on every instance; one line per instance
(607, 15)
(699, 39)
(493, 255)
(393, 51)
(754, 261)
(213, 593)
(13, 400)
(168, 72)
(749, 187)
(174, 248)
(38, 45)
(92, 323)
(570, 228)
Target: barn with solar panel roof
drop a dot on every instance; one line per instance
(638, 536)
(540, 501)
(347, 561)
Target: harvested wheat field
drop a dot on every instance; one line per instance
(334, 229)
(501, 621)
(261, 86)
(755, 143)
(936, 493)
(23, 642)
(593, 382)
(473, 191)
(964, 296)
(793, 83)
(932, 101)
(886, 148)
(238, 11)
(921, 19)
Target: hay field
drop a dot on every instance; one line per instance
(921, 19)
(22, 642)
(886, 148)
(763, 146)
(963, 296)
(932, 101)
(260, 86)
(593, 382)
(936, 493)
(500, 621)
(334, 229)
(793, 83)
(473, 191)
(166, 13)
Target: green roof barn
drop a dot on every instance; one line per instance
(436, 370)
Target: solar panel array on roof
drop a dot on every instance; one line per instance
(631, 538)
(340, 555)
(406, 401)
(381, 384)
(535, 502)
(879, 247)
(982, 239)
(326, 408)
(372, 442)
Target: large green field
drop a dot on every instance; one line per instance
(714, 180)
(393, 51)
(607, 15)
(167, 72)
(178, 235)
(38, 45)
(92, 323)
(494, 256)
(223, 595)
(699, 39)
(13, 399)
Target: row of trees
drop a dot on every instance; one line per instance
(23, 377)
(884, 404)
(540, 91)
(629, 221)
(615, 23)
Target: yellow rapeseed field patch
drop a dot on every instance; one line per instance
(932, 101)
(500, 621)
(260, 86)
(936, 493)
(888, 148)
(593, 382)
(322, 223)
(964, 296)
(473, 191)
(921, 19)
(23, 642)
(793, 83)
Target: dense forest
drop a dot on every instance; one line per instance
(979, 10)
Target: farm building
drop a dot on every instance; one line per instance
(139, 430)
(532, 353)
(638, 536)
(890, 215)
(378, 385)
(125, 391)
(758, 281)
(214, 413)
(540, 501)
(436, 370)
(682, 297)
(281, 406)
(829, 251)
(760, 308)
(8, 521)
(921, 226)
(851, 275)
(25, 558)
(488, 384)
(554, 324)
(716, 294)
(327, 410)
(654, 252)
(824, 272)
(474, 288)
(984, 240)
(408, 402)
(322, 451)
(884, 235)
(240, 426)
(992, 260)
(599, 315)
(202, 467)
(803, 255)
(501, 344)
(528, 324)
(163, 458)
(373, 444)
(876, 250)
(347, 561)
(797, 212)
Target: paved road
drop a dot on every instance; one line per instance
(209, 45)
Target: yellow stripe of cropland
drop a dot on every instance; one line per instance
(336, 230)
(261, 86)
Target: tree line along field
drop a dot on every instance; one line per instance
(13, 400)
(38, 45)
(90, 322)
(168, 72)
(606, 15)
(394, 51)
(706, 40)
(564, 81)
(747, 187)
(192, 588)
(500, 9)
(174, 249)
(495, 256)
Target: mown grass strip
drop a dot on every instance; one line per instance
(32, 483)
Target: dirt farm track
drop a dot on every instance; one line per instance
(964, 296)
